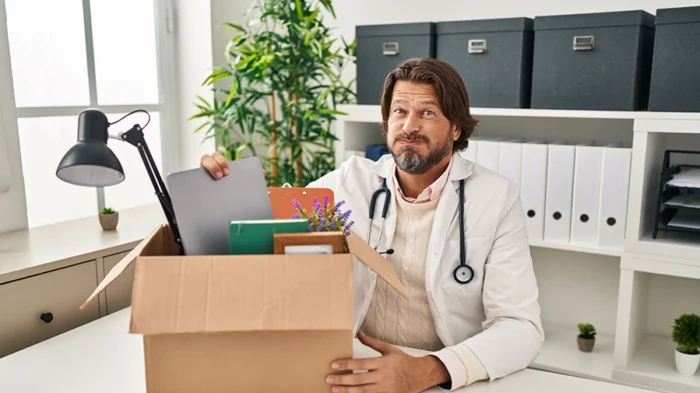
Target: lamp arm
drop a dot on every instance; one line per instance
(135, 137)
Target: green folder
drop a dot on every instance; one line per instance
(251, 237)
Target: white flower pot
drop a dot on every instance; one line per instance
(686, 364)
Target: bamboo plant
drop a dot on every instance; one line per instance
(280, 89)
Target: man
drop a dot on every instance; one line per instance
(481, 330)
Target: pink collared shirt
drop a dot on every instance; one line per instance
(431, 193)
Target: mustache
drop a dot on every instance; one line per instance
(412, 137)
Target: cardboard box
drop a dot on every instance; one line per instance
(236, 323)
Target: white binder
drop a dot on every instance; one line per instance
(615, 180)
(533, 187)
(471, 151)
(487, 154)
(560, 180)
(510, 156)
(586, 195)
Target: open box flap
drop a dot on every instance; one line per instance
(376, 262)
(121, 266)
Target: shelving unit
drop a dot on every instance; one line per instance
(631, 294)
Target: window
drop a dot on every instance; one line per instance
(70, 55)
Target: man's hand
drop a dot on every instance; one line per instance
(393, 372)
(216, 165)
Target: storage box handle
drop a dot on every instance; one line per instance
(477, 46)
(390, 48)
(584, 42)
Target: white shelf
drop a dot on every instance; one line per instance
(668, 266)
(653, 365)
(560, 354)
(669, 246)
(577, 248)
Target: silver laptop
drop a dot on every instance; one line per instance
(204, 206)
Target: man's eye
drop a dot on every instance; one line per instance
(429, 112)
(398, 110)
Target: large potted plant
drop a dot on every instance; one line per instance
(280, 89)
(686, 334)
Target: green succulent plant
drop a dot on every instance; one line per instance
(686, 333)
(107, 210)
(586, 330)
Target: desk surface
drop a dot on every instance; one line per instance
(103, 357)
(32, 251)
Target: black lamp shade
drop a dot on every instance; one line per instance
(90, 162)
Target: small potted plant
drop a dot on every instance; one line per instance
(109, 218)
(586, 337)
(686, 334)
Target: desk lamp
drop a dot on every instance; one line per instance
(91, 163)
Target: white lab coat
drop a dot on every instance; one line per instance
(497, 315)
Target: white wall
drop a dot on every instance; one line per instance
(193, 36)
(12, 205)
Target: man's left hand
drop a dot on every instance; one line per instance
(393, 372)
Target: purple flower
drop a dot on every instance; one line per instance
(296, 216)
(297, 204)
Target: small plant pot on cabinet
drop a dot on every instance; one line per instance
(686, 364)
(585, 344)
(109, 221)
(586, 337)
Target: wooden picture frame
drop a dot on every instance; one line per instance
(334, 240)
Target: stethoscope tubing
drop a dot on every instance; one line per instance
(463, 273)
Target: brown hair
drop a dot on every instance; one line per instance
(451, 92)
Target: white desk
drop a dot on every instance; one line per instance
(103, 357)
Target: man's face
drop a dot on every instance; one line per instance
(419, 136)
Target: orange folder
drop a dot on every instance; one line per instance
(282, 199)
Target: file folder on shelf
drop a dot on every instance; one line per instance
(533, 187)
(471, 151)
(560, 179)
(677, 181)
(487, 154)
(614, 192)
(510, 157)
(586, 195)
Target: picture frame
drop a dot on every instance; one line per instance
(309, 243)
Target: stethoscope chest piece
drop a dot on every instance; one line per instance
(464, 274)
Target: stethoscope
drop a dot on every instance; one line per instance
(463, 273)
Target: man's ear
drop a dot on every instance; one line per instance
(456, 131)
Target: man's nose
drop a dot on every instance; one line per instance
(411, 124)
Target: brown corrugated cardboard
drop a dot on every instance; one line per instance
(242, 323)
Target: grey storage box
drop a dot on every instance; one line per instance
(599, 61)
(675, 74)
(493, 57)
(380, 48)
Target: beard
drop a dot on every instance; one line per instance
(409, 160)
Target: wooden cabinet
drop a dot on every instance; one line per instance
(118, 293)
(37, 308)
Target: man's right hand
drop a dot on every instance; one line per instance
(215, 164)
